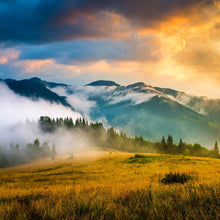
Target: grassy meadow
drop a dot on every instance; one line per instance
(111, 185)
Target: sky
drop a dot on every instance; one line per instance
(166, 43)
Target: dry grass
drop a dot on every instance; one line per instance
(103, 185)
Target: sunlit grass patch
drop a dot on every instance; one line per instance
(109, 186)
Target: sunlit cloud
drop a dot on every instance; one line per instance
(217, 2)
(31, 66)
(8, 55)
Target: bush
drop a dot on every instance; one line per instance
(171, 178)
(142, 159)
(140, 156)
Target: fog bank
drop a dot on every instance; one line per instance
(19, 122)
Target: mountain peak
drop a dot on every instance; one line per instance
(35, 79)
(39, 81)
(138, 84)
(103, 83)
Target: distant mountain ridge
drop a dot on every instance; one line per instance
(103, 83)
(137, 109)
(36, 88)
(46, 83)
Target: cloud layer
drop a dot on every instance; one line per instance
(49, 21)
(163, 43)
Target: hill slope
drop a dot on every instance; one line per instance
(100, 185)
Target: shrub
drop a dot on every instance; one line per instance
(142, 159)
(171, 178)
(140, 156)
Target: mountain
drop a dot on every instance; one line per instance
(138, 85)
(103, 83)
(35, 88)
(38, 81)
(137, 109)
(208, 107)
(148, 111)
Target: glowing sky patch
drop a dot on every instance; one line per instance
(217, 2)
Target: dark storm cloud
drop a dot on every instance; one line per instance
(46, 21)
(144, 12)
(29, 23)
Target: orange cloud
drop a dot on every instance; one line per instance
(35, 65)
(217, 3)
(7, 55)
(191, 46)
(3, 60)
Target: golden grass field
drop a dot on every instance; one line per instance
(104, 185)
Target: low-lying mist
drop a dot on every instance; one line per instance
(19, 123)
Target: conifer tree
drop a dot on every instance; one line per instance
(45, 149)
(36, 145)
(216, 149)
(164, 145)
(169, 144)
(53, 151)
(181, 146)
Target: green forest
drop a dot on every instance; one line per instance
(108, 139)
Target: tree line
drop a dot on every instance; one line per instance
(168, 147)
(15, 154)
(101, 137)
(110, 138)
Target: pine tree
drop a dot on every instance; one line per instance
(111, 137)
(164, 145)
(45, 149)
(170, 144)
(181, 146)
(216, 149)
(36, 145)
(3, 160)
(53, 151)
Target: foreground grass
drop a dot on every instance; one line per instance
(103, 185)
